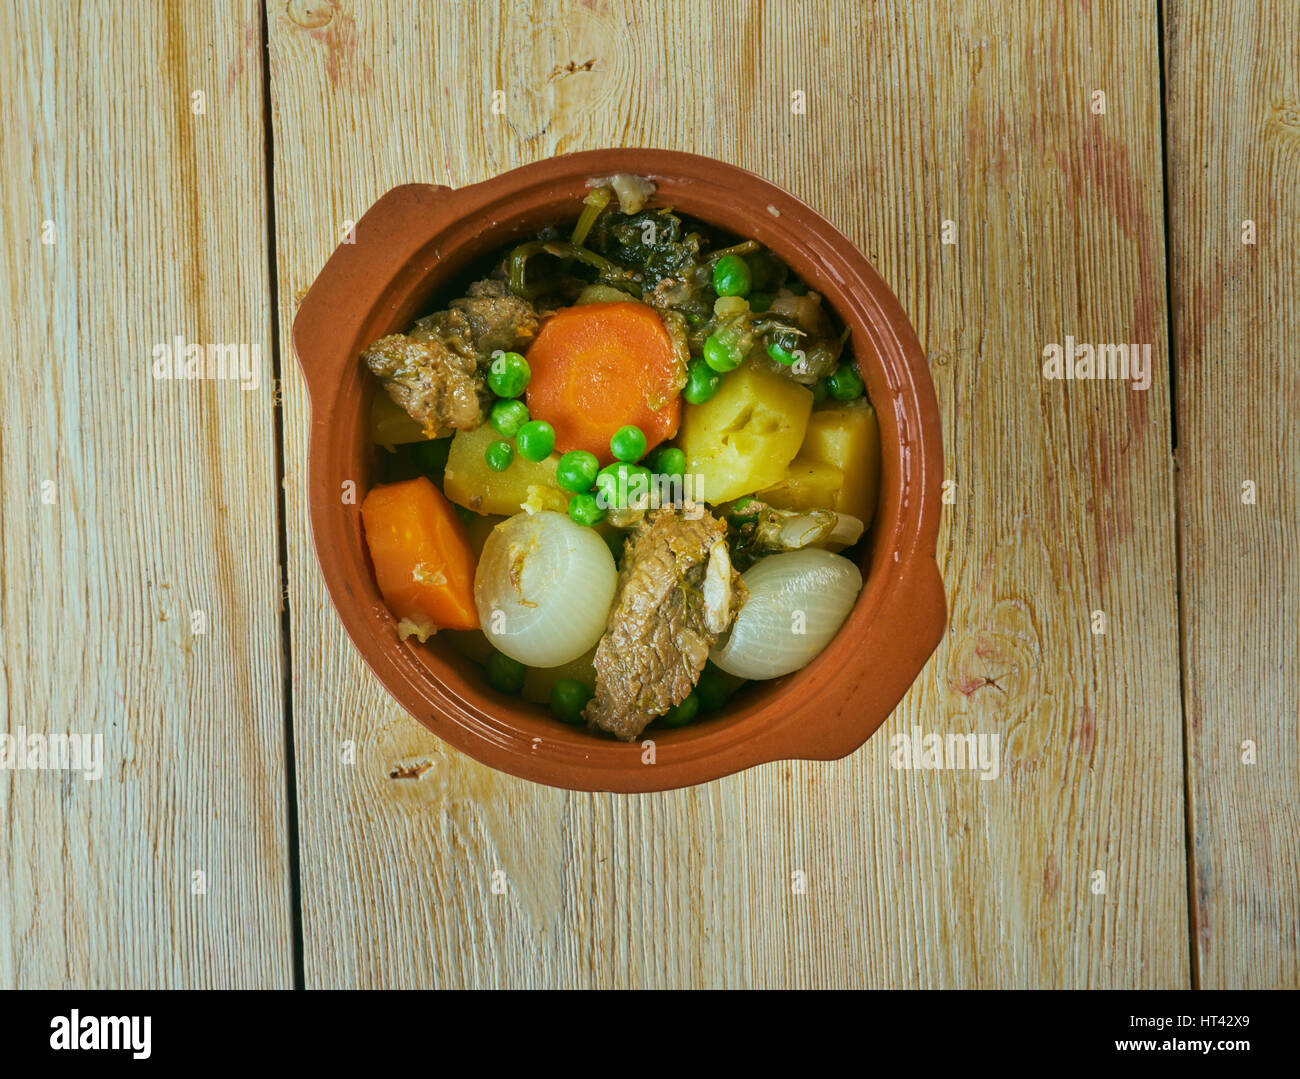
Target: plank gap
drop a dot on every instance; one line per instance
(281, 536)
(1172, 338)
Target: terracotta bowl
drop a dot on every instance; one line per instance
(419, 237)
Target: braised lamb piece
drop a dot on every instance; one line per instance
(437, 372)
(677, 593)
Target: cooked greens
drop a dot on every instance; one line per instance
(724, 302)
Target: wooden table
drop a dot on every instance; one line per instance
(1114, 172)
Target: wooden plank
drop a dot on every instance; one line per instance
(1234, 158)
(164, 504)
(1063, 506)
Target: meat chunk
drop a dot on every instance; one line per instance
(490, 317)
(437, 386)
(436, 372)
(677, 593)
(496, 318)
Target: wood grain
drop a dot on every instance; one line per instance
(1064, 506)
(166, 504)
(1234, 157)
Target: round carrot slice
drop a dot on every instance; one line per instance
(600, 366)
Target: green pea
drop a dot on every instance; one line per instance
(819, 391)
(431, 457)
(586, 509)
(507, 417)
(499, 455)
(702, 382)
(731, 276)
(760, 302)
(504, 674)
(720, 354)
(621, 483)
(536, 440)
(712, 690)
(628, 444)
(683, 712)
(667, 461)
(781, 354)
(509, 374)
(845, 384)
(740, 509)
(568, 698)
(577, 470)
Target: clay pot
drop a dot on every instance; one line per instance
(418, 237)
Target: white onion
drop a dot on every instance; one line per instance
(847, 531)
(543, 588)
(798, 530)
(729, 307)
(598, 293)
(805, 309)
(797, 602)
(633, 191)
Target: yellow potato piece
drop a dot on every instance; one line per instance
(470, 483)
(390, 426)
(808, 485)
(838, 465)
(742, 439)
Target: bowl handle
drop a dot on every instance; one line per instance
(909, 623)
(353, 282)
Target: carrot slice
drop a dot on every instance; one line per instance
(600, 366)
(423, 560)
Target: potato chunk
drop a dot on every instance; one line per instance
(470, 483)
(838, 465)
(808, 485)
(390, 426)
(742, 439)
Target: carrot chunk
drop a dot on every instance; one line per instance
(600, 366)
(423, 560)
